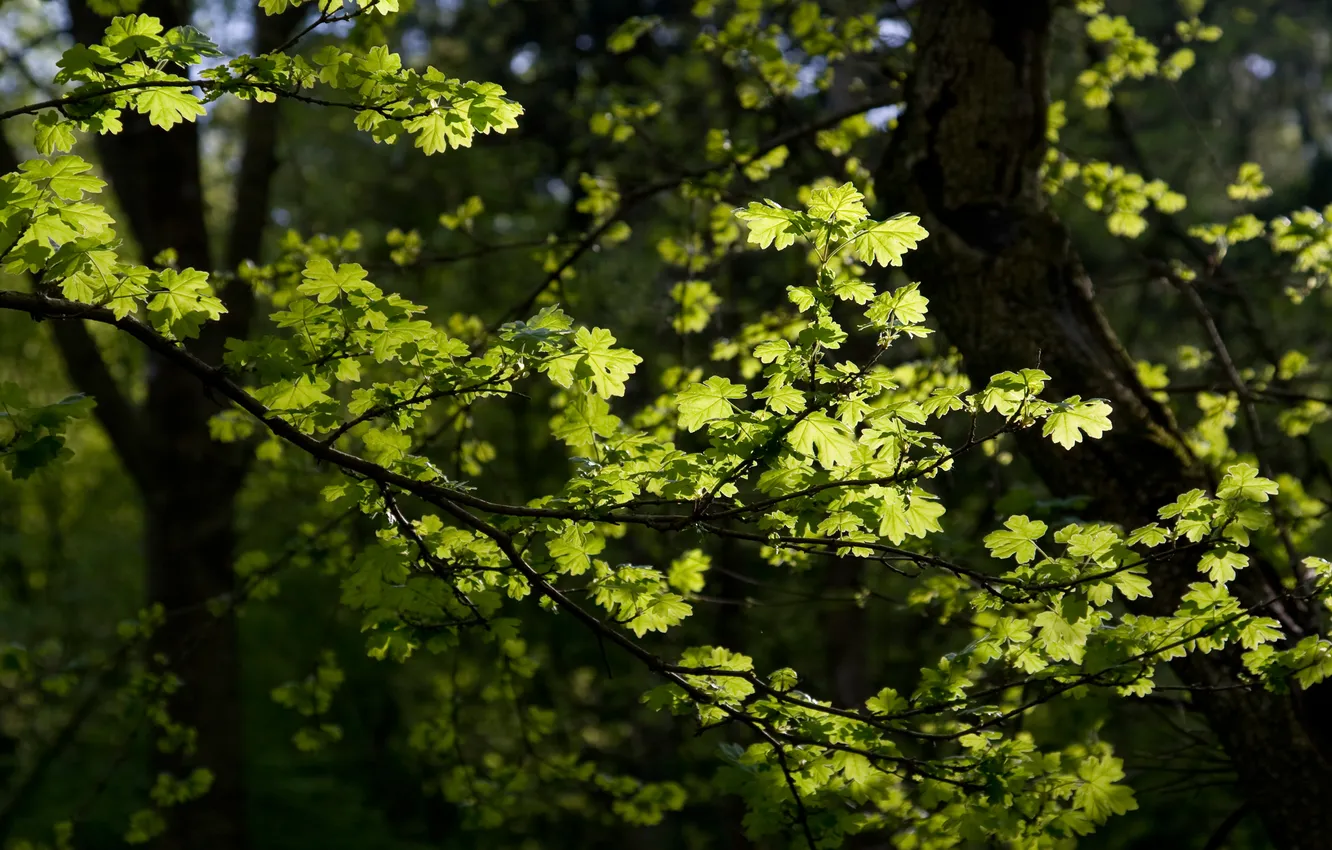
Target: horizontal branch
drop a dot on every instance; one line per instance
(81, 96)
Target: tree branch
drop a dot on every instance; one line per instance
(1217, 840)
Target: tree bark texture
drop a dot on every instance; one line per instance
(1009, 291)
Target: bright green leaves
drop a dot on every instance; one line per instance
(1126, 55)
(130, 65)
(1062, 637)
(1018, 540)
(594, 359)
(885, 242)
(184, 45)
(902, 309)
(130, 60)
(326, 284)
(1123, 196)
(1009, 392)
(820, 436)
(1242, 482)
(51, 133)
(67, 177)
(702, 403)
(718, 661)
(294, 396)
(1014, 395)
(182, 301)
(771, 226)
(834, 215)
(1099, 793)
(167, 106)
(886, 701)
(439, 132)
(840, 204)
(442, 113)
(1074, 417)
(574, 547)
(584, 419)
(688, 573)
(383, 447)
(1220, 565)
(46, 227)
(638, 598)
(131, 34)
(912, 514)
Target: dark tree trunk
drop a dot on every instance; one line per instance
(190, 544)
(187, 482)
(1009, 292)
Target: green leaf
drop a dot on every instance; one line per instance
(167, 106)
(585, 418)
(702, 403)
(782, 398)
(594, 358)
(291, 396)
(688, 573)
(383, 447)
(769, 224)
(1007, 391)
(886, 702)
(855, 767)
(185, 300)
(1132, 583)
(440, 131)
(384, 344)
(819, 435)
(1018, 541)
(184, 45)
(574, 548)
(784, 679)
(1149, 535)
(326, 283)
(1062, 640)
(64, 176)
(1074, 417)
(849, 288)
(1242, 481)
(916, 515)
(843, 203)
(1257, 631)
(1220, 565)
(52, 133)
(1098, 794)
(885, 242)
(660, 614)
(129, 34)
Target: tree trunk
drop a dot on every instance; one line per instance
(190, 544)
(1009, 292)
(188, 483)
